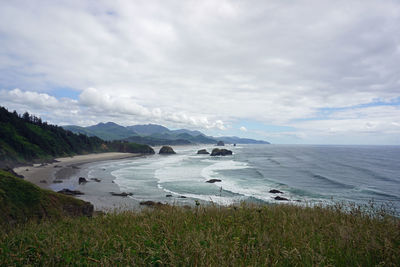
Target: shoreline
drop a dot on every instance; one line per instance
(67, 171)
(43, 175)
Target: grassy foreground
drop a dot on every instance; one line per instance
(281, 235)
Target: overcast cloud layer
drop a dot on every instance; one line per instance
(285, 71)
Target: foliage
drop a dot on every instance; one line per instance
(26, 138)
(282, 235)
(130, 147)
(21, 201)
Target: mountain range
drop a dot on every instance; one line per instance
(154, 134)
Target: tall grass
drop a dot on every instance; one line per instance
(246, 235)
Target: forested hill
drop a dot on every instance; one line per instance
(26, 138)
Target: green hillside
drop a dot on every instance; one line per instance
(78, 130)
(26, 138)
(107, 131)
(153, 134)
(21, 201)
(150, 134)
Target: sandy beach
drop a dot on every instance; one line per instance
(44, 175)
(64, 173)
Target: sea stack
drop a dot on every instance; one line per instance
(220, 152)
(166, 150)
(220, 143)
(203, 151)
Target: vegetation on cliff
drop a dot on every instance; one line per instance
(21, 201)
(25, 138)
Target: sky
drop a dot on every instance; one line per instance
(291, 72)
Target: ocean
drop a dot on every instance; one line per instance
(305, 174)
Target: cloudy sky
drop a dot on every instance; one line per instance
(319, 72)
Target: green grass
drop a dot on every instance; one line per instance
(21, 201)
(281, 235)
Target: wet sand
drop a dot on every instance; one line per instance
(44, 175)
(65, 172)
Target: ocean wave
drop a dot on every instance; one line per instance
(220, 200)
(211, 171)
(331, 181)
(368, 172)
(380, 194)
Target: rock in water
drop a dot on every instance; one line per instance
(69, 192)
(274, 191)
(281, 198)
(211, 181)
(166, 150)
(203, 151)
(220, 152)
(82, 180)
(151, 203)
(220, 143)
(123, 194)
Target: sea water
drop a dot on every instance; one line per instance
(304, 173)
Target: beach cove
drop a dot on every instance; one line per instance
(65, 172)
(303, 175)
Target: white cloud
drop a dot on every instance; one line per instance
(204, 64)
(103, 102)
(243, 129)
(125, 105)
(99, 107)
(33, 99)
(375, 120)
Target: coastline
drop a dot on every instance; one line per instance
(43, 175)
(67, 171)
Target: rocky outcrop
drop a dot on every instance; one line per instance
(123, 194)
(82, 210)
(203, 151)
(10, 170)
(151, 203)
(220, 152)
(69, 192)
(220, 143)
(166, 150)
(82, 180)
(281, 198)
(275, 191)
(211, 181)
